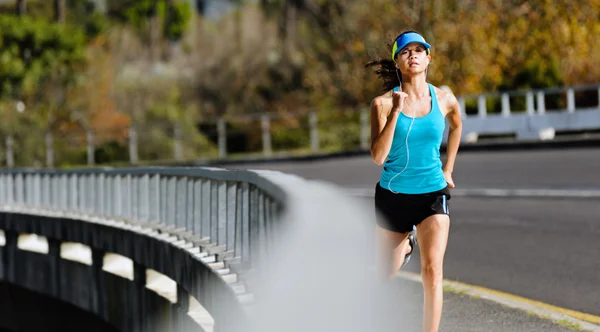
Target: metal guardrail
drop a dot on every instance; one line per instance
(228, 220)
(220, 210)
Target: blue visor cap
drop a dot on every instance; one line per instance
(406, 39)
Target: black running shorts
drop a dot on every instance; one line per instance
(400, 212)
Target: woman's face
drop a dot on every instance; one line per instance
(412, 59)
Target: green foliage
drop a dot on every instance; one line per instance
(290, 134)
(82, 13)
(178, 18)
(138, 13)
(156, 107)
(35, 50)
(110, 152)
(339, 131)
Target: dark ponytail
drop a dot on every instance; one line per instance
(386, 69)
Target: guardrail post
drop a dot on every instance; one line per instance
(19, 189)
(265, 123)
(364, 129)
(28, 190)
(198, 206)
(541, 104)
(37, 191)
(222, 137)
(133, 145)
(136, 193)
(91, 158)
(481, 106)
(177, 147)
(102, 194)
(462, 105)
(570, 100)
(214, 211)
(171, 197)
(10, 159)
(180, 202)
(219, 233)
(154, 199)
(241, 216)
(49, 150)
(314, 131)
(251, 246)
(209, 201)
(189, 205)
(505, 99)
(73, 192)
(46, 190)
(530, 105)
(144, 198)
(231, 213)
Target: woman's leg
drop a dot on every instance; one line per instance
(432, 235)
(393, 248)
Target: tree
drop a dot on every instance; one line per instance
(21, 7)
(59, 11)
(39, 61)
(154, 20)
(287, 13)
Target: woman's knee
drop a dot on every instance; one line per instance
(432, 272)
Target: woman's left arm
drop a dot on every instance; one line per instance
(454, 134)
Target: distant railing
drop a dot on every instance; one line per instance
(524, 115)
(532, 114)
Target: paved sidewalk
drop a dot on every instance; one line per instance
(464, 313)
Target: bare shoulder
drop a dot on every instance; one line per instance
(446, 99)
(382, 104)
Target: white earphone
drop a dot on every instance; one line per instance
(406, 142)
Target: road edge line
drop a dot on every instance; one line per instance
(499, 193)
(557, 314)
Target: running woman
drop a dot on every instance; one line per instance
(411, 196)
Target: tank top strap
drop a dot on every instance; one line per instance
(434, 101)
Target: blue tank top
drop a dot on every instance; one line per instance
(424, 173)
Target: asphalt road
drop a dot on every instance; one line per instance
(539, 248)
(542, 249)
(564, 168)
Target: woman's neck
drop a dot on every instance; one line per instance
(415, 86)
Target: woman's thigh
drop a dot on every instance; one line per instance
(432, 235)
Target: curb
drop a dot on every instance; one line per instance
(584, 321)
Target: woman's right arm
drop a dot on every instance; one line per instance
(383, 125)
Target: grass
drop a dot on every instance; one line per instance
(569, 324)
(450, 289)
(562, 322)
